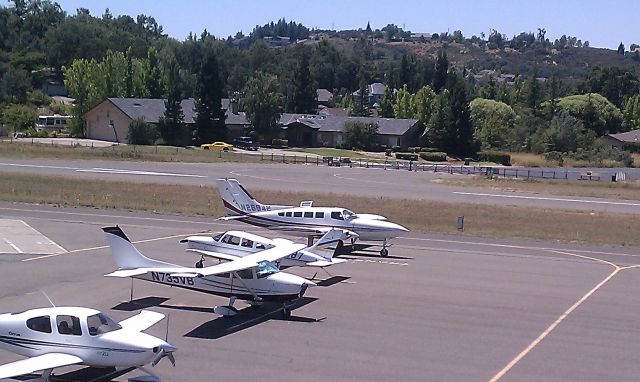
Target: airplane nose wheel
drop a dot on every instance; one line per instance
(384, 252)
(286, 312)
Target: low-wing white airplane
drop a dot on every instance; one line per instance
(253, 278)
(231, 245)
(63, 336)
(312, 221)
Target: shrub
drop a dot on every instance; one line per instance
(429, 150)
(279, 143)
(496, 157)
(407, 156)
(387, 152)
(633, 147)
(433, 156)
(414, 149)
(395, 149)
(141, 133)
(555, 156)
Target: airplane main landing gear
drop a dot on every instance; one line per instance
(384, 252)
(200, 263)
(286, 312)
(226, 310)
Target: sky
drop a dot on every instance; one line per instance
(604, 24)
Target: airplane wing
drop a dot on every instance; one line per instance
(38, 363)
(142, 271)
(252, 260)
(142, 321)
(217, 255)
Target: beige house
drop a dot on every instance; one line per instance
(109, 121)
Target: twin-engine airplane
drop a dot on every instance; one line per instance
(253, 278)
(64, 336)
(231, 245)
(306, 219)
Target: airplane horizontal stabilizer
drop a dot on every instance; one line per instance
(38, 363)
(217, 255)
(142, 321)
(325, 263)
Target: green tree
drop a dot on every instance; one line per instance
(141, 133)
(128, 75)
(210, 116)
(402, 108)
(171, 127)
(460, 120)
(489, 90)
(82, 79)
(493, 123)
(304, 96)
(534, 92)
(360, 135)
(439, 133)
(153, 75)
(423, 104)
(14, 85)
(18, 117)
(386, 103)
(621, 49)
(440, 72)
(595, 111)
(631, 114)
(564, 134)
(263, 104)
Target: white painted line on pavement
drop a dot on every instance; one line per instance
(15, 247)
(50, 241)
(547, 198)
(137, 172)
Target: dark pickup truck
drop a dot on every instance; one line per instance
(246, 143)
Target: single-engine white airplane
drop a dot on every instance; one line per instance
(306, 219)
(63, 336)
(253, 278)
(231, 245)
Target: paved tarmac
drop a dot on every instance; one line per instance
(312, 178)
(440, 308)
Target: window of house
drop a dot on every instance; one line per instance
(40, 324)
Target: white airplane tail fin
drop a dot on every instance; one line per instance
(125, 254)
(237, 199)
(327, 245)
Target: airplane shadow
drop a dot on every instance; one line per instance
(140, 303)
(87, 374)
(249, 317)
(333, 280)
(375, 254)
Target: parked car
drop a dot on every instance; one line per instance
(246, 143)
(223, 146)
(19, 134)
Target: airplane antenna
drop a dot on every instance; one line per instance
(45, 295)
(166, 335)
(131, 291)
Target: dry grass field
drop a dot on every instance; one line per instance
(424, 216)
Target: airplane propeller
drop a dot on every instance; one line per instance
(165, 350)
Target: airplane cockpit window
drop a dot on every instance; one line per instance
(40, 324)
(247, 243)
(218, 236)
(348, 215)
(336, 215)
(69, 325)
(232, 240)
(100, 324)
(266, 268)
(245, 273)
(260, 246)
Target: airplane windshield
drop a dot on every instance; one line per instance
(348, 215)
(266, 268)
(100, 324)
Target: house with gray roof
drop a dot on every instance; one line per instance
(326, 130)
(373, 93)
(109, 121)
(616, 141)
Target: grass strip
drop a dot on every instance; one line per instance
(421, 216)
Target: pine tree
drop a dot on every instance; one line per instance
(386, 103)
(459, 116)
(438, 133)
(304, 97)
(172, 128)
(210, 116)
(403, 106)
(621, 49)
(440, 72)
(152, 75)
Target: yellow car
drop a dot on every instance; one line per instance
(223, 146)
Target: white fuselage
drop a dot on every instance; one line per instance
(304, 219)
(119, 348)
(278, 286)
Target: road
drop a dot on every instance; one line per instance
(440, 308)
(312, 178)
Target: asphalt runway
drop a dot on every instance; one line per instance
(439, 308)
(312, 178)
